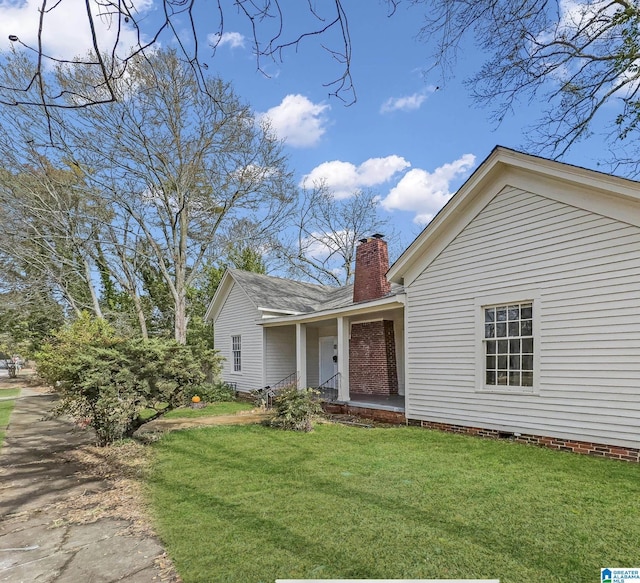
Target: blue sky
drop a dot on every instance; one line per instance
(412, 139)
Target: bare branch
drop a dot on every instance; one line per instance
(327, 233)
(272, 26)
(575, 57)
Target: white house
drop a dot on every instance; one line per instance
(516, 312)
(348, 340)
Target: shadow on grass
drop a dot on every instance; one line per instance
(469, 505)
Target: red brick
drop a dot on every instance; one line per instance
(579, 447)
(631, 458)
(619, 450)
(372, 264)
(372, 358)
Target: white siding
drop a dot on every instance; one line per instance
(238, 317)
(398, 332)
(280, 353)
(584, 269)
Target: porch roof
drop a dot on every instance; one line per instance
(396, 299)
(293, 300)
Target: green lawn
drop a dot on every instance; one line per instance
(225, 408)
(5, 410)
(4, 393)
(250, 503)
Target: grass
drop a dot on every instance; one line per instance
(223, 408)
(5, 410)
(254, 504)
(4, 393)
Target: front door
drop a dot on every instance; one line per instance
(328, 360)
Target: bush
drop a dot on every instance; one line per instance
(260, 398)
(212, 392)
(105, 381)
(295, 408)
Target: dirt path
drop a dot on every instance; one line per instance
(163, 425)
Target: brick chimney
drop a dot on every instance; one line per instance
(372, 263)
(373, 369)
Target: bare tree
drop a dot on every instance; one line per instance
(179, 167)
(327, 231)
(119, 256)
(165, 179)
(577, 57)
(48, 230)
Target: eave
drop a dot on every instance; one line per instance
(389, 302)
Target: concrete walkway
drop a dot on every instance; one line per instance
(37, 541)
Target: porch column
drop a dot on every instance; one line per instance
(343, 358)
(301, 354)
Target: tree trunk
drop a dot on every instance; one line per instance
(94, 297)
(142, 321)
(182, 226)
(180, 325)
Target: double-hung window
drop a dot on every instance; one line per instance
(508, 345)
(236, 350)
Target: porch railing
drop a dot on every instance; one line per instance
(287, 381)
(329, 389)
(270, 392)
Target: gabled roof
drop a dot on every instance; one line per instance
(611, 196)
(286, 296)
(276, 293)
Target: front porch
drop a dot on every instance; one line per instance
(389, 409)
(379, 407)
(355, 359)
(393, 403)
(330, 394)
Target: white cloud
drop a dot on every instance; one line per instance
(408, 103)
(425, 193)
(343, 178)
(586, 17)
(233, 39)
(298, 121)
(66, 31)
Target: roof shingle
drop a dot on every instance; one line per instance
(276, 293)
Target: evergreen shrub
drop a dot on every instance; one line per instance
(295, 408)
(105, 381)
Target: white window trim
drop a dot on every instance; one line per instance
(233, 354)
(481, 302)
